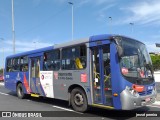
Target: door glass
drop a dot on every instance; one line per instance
(35, 75)
(102, 90)
(96, 76)
(35, 67)
(107, 75)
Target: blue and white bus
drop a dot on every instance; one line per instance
(108, 71)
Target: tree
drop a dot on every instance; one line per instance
(156, 62)
(1, 71)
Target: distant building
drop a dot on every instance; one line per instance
(154, 53)
(157, 45)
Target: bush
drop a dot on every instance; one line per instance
(1, 71)
(156, 62)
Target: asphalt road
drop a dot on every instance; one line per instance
(60, 109)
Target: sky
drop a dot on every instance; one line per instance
(42, 23)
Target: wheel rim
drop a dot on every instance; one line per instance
(78, 99)
(20, 91)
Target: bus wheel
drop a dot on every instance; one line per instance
(79, 100)
(20, 92)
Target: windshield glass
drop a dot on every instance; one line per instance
(135, 62)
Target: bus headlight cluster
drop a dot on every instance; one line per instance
(133, 92)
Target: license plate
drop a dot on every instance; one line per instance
(147, 99)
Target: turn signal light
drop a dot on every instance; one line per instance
(115, 94)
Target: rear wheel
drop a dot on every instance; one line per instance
(79, 100)
(20, 91)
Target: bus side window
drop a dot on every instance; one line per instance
(16, 65)
(51, 60)
(9, 65)
(45, 65)
(24, 64)
(74, 57)
(67, 58)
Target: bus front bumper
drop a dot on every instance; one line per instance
(130, 102)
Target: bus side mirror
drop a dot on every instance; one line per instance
(120, 51)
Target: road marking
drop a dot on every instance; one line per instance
(3, 93)
(66, 109)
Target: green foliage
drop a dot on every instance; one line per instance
(1, 71)
(156, 62)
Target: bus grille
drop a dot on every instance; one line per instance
(149, 92)
(141, 93)
(145, 93)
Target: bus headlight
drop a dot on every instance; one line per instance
(133, 92)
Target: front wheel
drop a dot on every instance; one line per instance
(79, 100)
(20, 91)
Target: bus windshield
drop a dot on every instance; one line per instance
(136, 62)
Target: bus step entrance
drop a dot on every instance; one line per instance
(34, 95)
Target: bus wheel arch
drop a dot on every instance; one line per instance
(78, 98)
(20, 90)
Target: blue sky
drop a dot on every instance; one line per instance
(41, 23)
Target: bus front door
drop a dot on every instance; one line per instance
(102, 88)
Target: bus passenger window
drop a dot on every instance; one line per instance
(51, 60)
(24, 64)
(82, 58)
(9, 65)
(16, 65)
(74, 57)
(45, 66)
(24, 68)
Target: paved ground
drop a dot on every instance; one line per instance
(10, 102)
(158, 91)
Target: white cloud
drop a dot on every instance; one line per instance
(104, 11)
(93, 2)
(144, 12)
(100, 2)
(25, 45)
(81, 3)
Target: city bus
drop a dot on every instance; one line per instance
(107, 71)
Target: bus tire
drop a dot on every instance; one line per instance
(20, 91)
(79, 100)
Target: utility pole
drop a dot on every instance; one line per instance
(71, 3)
(13, 31)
